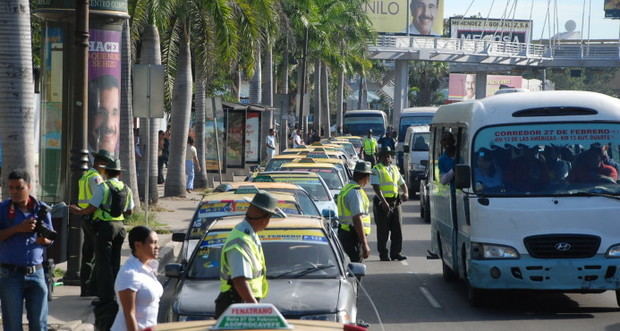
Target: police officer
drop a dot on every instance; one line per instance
(369, 147)
(243, 274)
(86, 187)
(386, 180)
(110, 234)
(354, 211)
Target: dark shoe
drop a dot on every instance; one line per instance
(385, 258)
(398, 257)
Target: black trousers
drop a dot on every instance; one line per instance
(87, 265)
(110, 237)
(225, 299)
(388, 226)
(370, 158)
(351, 244)
(160, 169)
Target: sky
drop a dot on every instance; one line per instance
(600, 27)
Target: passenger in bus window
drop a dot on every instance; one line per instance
(486, 172)
(447, 159)
(589, 168)
(528, 171)
(558, 168)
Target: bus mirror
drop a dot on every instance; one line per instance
(462, 177)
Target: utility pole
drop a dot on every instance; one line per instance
(79, 135)
(302, 122)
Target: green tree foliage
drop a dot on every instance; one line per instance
(585, 79)
(424, 81)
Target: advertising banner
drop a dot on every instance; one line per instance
(104, 75)
(517, 31)
(496, 82)
(612, 9)
(462, 87)
(234, 139)
(416, 17)
(252, 137)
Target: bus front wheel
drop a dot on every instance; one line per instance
(446, 272)
(618, 297)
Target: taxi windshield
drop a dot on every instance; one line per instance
(289, 253)
(313, 186)
(210, 210)
(547, 159)
(276, 164)
(329, 175)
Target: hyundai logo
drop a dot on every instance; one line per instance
(563, 246)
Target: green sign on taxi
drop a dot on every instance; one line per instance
(246, 316)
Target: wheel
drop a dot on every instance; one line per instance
(413, 189)
(427, 213)
(422, 210)
(618, 297)
(448, 274)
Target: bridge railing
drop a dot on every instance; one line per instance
(463, 46)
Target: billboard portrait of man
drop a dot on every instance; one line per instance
(470, 87)
(425, 17)
(612, 9)
(104, 113)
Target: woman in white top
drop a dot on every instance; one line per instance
(191, 162)
(137, 288)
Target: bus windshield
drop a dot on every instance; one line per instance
(547, 159)
(407, 121)
(359, 124)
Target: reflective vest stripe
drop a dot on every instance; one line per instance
(346, 217)
(84, 192)
(387, 183)
(245, 245)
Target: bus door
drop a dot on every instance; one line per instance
(461, 205)
(442, 198)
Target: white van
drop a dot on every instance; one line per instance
(524, 192)
(408, 117)
(415, 159)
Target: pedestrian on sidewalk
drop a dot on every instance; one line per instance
(87, 185)
(137, 288)
(354, 211)
(111, 202)
(243, 273)
(21, 255)
(385, 181)
(191, 163)
(270, 143)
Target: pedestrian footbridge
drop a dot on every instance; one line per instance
(543, 53)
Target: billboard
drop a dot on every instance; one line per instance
(416, 17)
(463, 86)
(612, 9)
(517, 31)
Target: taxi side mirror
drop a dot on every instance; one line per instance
(174, 270)
(178, 237)
(462, 176)
(328, 213)
(357, 269)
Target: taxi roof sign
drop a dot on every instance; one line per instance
(250, 316)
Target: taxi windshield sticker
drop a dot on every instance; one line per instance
(314, 236)
(223, 207)
(214, 239)
(315, 170)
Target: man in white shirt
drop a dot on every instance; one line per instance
(297, 141)
(270, 142)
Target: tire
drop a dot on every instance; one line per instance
(422, 210)
(618, 297)
(475, 296)
(447, 274)
(413, 189)
(427, 213)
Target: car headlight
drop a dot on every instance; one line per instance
(613, 251)
(340, 317)
(480, 251)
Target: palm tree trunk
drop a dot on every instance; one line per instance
(316, 125)
(181, 111)
(127, 149)
(150, 54)
(201, 91)
(255, 83)
(268, 75)
(17, 111)
(340, 101)
(325, 100)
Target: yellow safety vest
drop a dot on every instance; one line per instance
(253, 253)
(388, 184)
(84, 192)
(370, 146)
(101, 213)
(346, 217)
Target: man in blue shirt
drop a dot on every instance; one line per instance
(21, 256)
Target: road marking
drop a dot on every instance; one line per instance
(404, 262)
(429, 297)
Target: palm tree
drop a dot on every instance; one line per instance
(17, 86)
(127, 149)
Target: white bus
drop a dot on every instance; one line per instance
(358, 122)
(412, 116)
(533, 203)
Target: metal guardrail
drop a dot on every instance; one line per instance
(463, 46)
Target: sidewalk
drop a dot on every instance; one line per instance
(69, 311)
